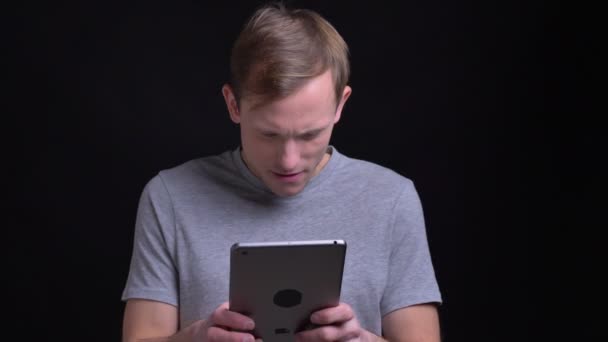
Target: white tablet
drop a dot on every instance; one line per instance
(280, 284)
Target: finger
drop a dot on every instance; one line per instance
(350, 331)
(325, 333)
(219, 334)
(334, 315)
(230, 319)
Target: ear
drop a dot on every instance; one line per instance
(231, 104)
(345, 95)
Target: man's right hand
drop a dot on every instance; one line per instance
(222, 325)
(151, 321)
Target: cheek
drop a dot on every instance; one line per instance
(246, 136)
(315, 149)
(262, 150)
(255, 149)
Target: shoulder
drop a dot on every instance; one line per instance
(196, 175)
(374, 177)
(197, 167)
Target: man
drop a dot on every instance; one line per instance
(289, 73)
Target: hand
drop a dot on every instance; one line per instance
(336, 324)
(222, 325)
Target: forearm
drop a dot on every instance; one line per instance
(158, 339)
(371, 337)
(181, 336)
(178, 337)
(174, 338)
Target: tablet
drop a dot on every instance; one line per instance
(280, 284)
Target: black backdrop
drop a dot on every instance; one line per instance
(448, 93)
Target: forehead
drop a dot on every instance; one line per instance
(314, 101)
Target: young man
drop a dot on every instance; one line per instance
(285, 182)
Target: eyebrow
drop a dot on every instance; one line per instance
(314, 131)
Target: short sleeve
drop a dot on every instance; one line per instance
(411, 277)
(152, 273)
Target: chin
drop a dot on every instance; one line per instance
(287, 191)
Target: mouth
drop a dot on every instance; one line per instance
(288, 177)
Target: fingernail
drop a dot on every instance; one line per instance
(249, 326)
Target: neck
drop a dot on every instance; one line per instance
(322, 163)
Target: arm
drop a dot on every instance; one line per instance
(419, 323)
(146, 320)
(151, 321)
(410, 299)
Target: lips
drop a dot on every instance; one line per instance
(286, 174)
(289, 177)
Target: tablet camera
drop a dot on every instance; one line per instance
(287, 298)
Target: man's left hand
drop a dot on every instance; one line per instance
(335, 324)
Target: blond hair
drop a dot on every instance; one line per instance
(279, 49)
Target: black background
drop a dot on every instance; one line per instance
(463, 97)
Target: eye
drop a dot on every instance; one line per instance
(310, 136)
(269, 135)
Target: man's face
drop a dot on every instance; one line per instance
(284, 141)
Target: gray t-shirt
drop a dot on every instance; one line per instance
(189, 217)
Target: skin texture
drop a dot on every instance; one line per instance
(285, 141)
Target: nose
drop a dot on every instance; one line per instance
(289, 156)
